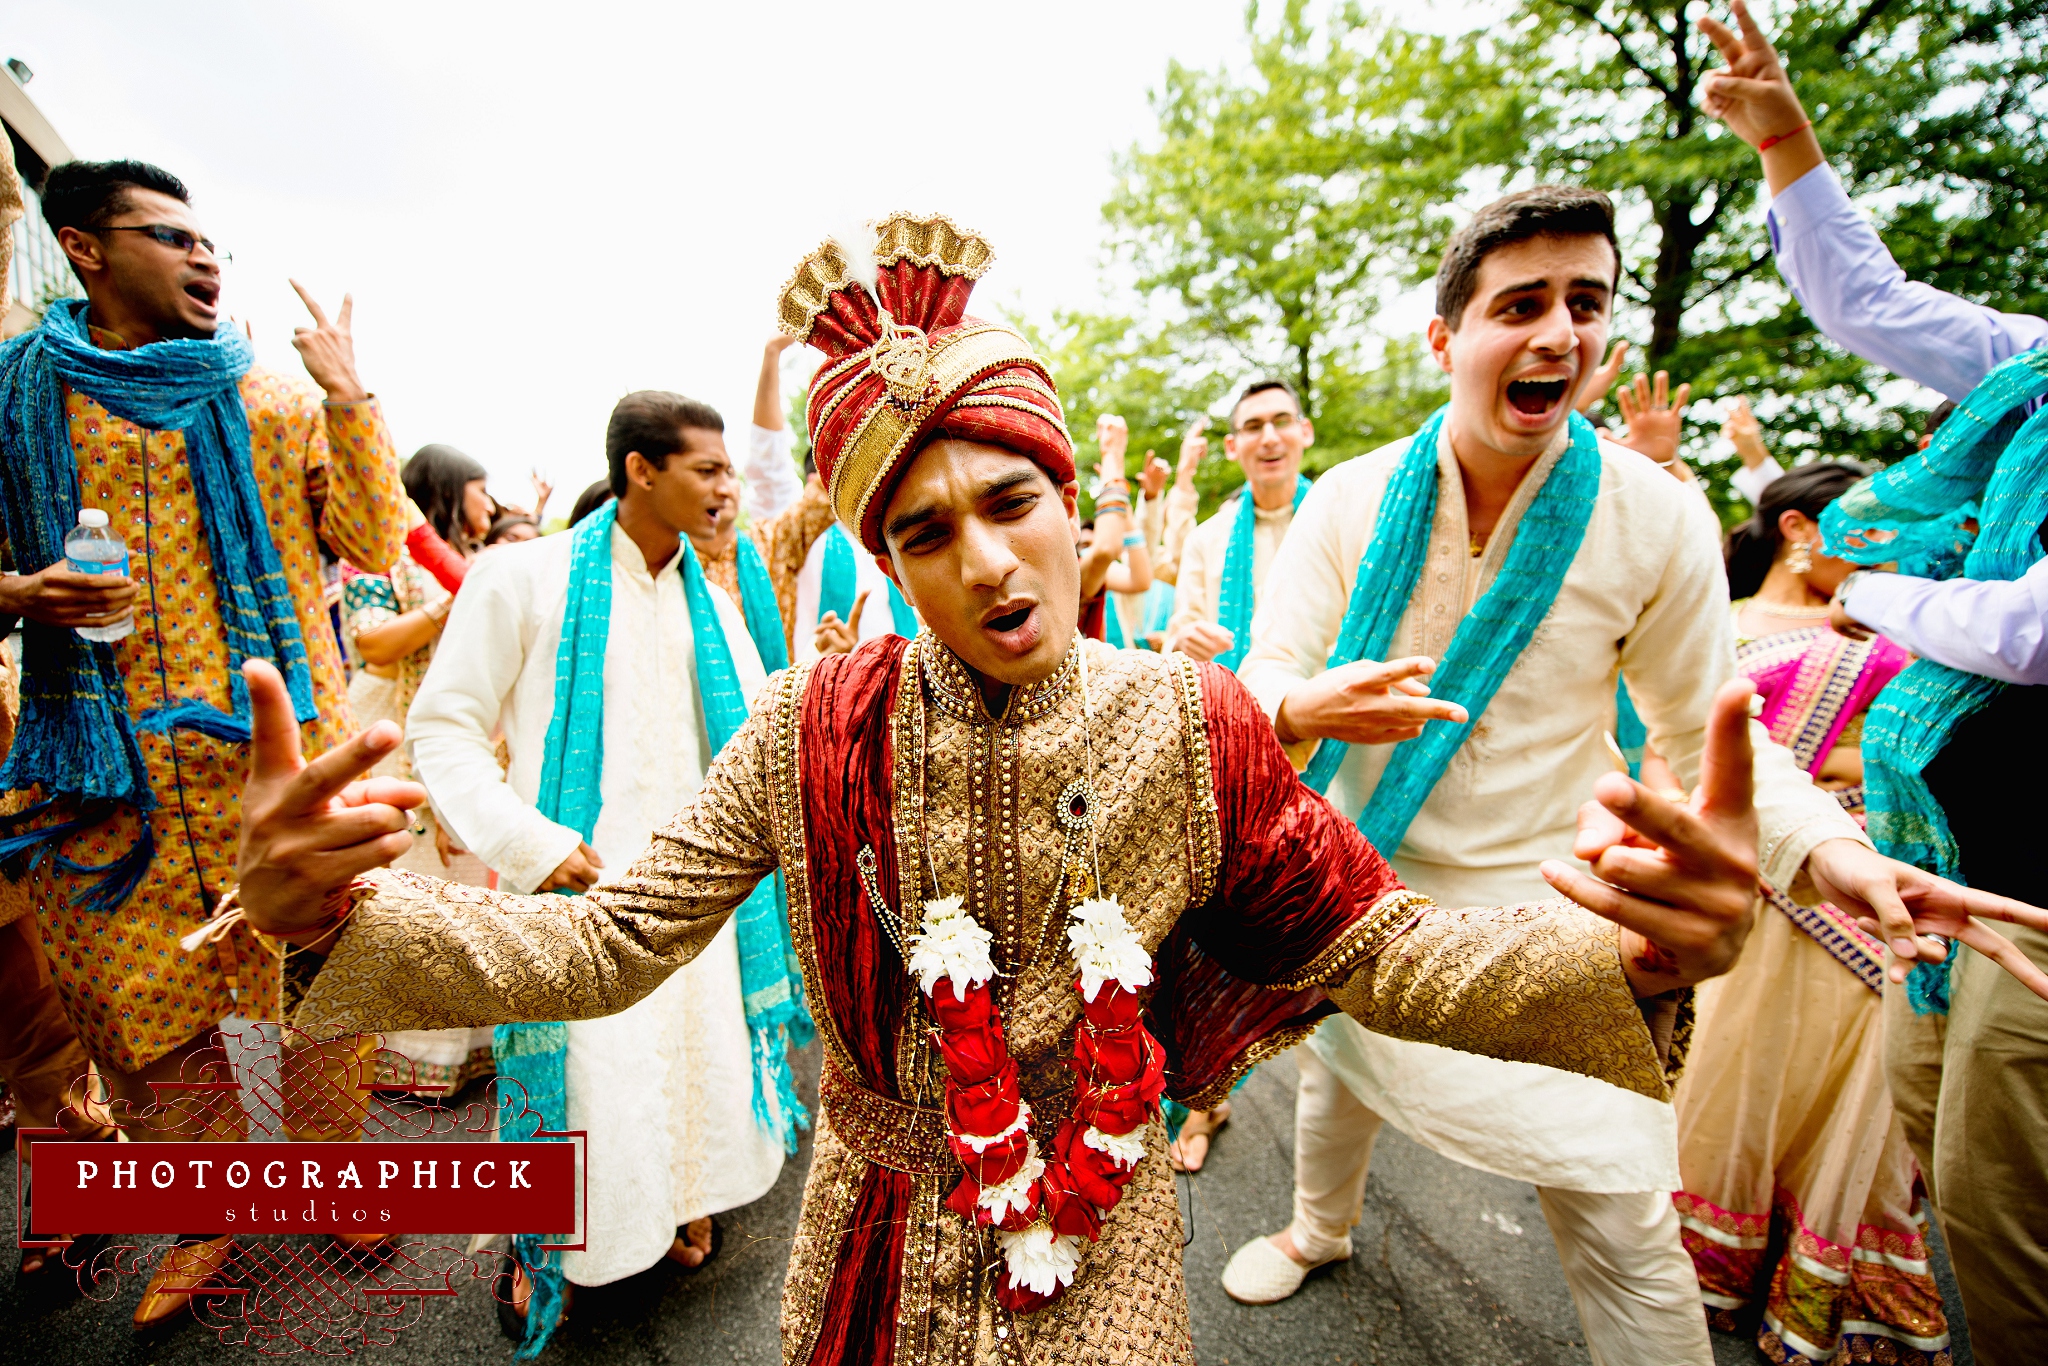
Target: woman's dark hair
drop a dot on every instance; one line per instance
(1752, 547)
(590, 500)
(505, 524)
(435, 478)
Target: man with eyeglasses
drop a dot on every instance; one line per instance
(1223, 565)
(123, 786)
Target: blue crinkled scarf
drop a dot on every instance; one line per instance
(1988, 462)
(1234, 594)
(75, 740)
(1492, 635)
(571, 793)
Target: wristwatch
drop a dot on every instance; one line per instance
(1848, 584)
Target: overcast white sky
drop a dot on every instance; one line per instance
(540, 208)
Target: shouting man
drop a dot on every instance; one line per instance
(618, 669)
(1518, 564)
(223, 480)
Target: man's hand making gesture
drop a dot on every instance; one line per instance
(1755, 98)
(308, 828)
(1680, 880)
(329, 349)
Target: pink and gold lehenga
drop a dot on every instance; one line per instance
(1800, 1191)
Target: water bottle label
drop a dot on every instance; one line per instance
(119, 566)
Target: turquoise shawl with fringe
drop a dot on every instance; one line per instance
(1492, 635)
(571, 794)
(1987, 467)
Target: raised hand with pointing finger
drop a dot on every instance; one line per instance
(329, 349)
(836, 637)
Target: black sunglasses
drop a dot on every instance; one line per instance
(176, 238)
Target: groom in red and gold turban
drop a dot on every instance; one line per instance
(1032, 881)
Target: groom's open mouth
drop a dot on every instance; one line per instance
(1014, 626)
(1537, 397)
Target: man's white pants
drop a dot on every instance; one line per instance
(1637, 1296)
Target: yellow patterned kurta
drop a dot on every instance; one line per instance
(324, 471)
(1537, 983)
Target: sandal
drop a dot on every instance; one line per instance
(512, 1291)
(675, 1251)
(192, 1263)
(1200, 1126)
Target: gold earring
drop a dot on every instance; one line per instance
(1800, 561)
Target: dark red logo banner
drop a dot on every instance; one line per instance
(290, 1188)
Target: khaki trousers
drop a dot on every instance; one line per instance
(1971, 1089)
(1637, 1296)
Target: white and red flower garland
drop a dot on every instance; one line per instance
(1041, 1208)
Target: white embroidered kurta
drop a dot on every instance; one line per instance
(1647, 596)
(1198, 592)
(665, 1087)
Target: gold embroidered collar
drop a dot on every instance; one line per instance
(954, 691)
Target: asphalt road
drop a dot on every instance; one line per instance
(1453, 1266)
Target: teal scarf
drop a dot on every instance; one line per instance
(836, 585)
(75, 739)
(572, 772)
(1490, 638)
(1234, 595)
(1988, 462)
(759, 607)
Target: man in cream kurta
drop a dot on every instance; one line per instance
(664, 1088)
(1645, 595)
(1268, 435)
(1526, 288)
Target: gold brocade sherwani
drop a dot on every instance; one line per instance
(324, 471)
(1236, 878)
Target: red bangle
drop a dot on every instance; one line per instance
(1768, 143)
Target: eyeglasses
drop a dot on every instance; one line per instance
(176, 238)
(1282, 423)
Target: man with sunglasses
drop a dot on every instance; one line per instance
(224, 481)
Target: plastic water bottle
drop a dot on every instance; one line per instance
(90, 548)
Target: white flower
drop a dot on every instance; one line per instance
(982, 1144)
(1125, 1148)
(1107, 949)
(1040, 1260)
(1014, 1193)
(951, 945)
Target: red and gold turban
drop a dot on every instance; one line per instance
(905, 367)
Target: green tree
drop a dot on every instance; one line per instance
(1283, 200)
(1281, 205)
(1931, 110)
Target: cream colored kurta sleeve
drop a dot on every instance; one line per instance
(1201, 566)
(1181, 508)
(423, 954)
(482, 653)
(1681, 650)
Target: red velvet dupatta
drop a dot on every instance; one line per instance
(1239, 978)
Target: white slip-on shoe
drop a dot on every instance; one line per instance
(1260, 1273)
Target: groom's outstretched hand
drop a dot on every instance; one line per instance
(1679, 880)
(307, 828)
